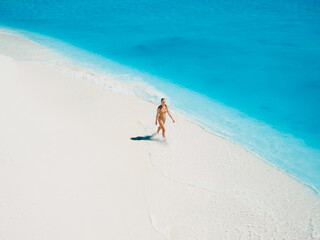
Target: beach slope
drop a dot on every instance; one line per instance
(78, 162)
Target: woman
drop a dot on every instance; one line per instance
(161, 116)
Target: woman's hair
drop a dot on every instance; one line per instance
(160, 104)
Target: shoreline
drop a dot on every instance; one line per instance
(74, 67)
(177, 181)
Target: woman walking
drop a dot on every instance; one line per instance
(161, 116)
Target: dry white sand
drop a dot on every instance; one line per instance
(70, 170)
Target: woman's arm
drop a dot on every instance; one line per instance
(170, 115)
(157, 116)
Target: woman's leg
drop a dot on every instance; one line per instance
(161, 123)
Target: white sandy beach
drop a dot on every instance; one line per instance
(70, 169)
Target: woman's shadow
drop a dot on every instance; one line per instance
(145, 138)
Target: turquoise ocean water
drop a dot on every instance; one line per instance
(248, 70)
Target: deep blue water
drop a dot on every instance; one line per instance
(259, 57)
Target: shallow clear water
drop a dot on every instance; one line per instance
(261, 58)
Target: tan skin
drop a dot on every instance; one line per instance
(161, 117)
